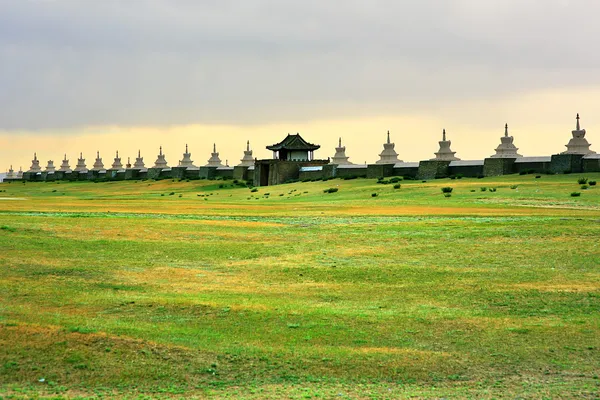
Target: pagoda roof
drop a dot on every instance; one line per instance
(294, 142)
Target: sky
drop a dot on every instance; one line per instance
(86, 76)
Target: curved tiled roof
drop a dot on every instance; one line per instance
(294, 142)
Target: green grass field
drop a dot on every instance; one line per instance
(206, 289)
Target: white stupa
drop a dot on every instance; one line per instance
(340, 157)
(506, 149)
(248, 160)
(80, 167)
(65, 167)
(214, 160)
(388, 155)
(20, 173)
(139, 161)
(187, 160)
(50, 166)
(98, 164)
(117, 163)
(445, 153)
(160, 160)
(35, 164)
(578, 143)
(11, 173)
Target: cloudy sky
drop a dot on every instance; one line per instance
(86, 75)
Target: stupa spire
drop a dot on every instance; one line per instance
(388, 155)
(506, 149)
(35, 164)
(248, 145)
(187, 160)
(80, 167)
(160, 160)
(578, 143)
(65, 167)
(340, 157)
(445, 153)
(214, 160)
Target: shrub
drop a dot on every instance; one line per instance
(447, 194)
(582, 181)
(395, 179)
(523, 173)
(330, 190)
(584, 187)
(492, 190)
(221, 186)
(254, 190)
(374, 195)
(514, 186)
(567, 172)
(538, 176)
(397, 186)
(459, 176)
(480, 176)
(172, 194)
(180, 195)
(575, 194)
(452, 177)
(347, 178)
(472, 190)
(267, 194)
(592, 183)
(483, 189)
(447, 189)
(280, 194)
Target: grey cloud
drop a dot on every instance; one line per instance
(70, 63)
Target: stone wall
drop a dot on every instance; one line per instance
(471, 171)
(406, 171)
(562, 163)
(224, 173)
(591, 165)
(498, 166)
(433, 169)
(380, 170)
(539, 167)
(342, 172)
(276, 172)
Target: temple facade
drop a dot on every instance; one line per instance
(445, 153)
(340, 157)
(578, 143)
(388, 155)
(290, 156)
(293, 148)
(506, 149)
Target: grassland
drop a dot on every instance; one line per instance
(206, 289)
